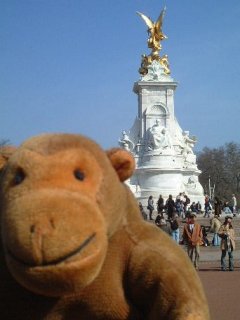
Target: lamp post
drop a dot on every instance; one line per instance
(209, 187)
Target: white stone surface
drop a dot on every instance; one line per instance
(165, 160)
(156, 73)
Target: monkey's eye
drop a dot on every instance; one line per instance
(19, 176)
(79, 175)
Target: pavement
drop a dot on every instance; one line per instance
(222, 289)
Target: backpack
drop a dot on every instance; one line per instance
(174, 224)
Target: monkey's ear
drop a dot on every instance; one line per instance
(5, 154)
(122, 161)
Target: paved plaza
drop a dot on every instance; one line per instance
(222, 288)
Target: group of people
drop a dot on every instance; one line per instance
(170, 226)
(219, 206)
(194, 235)
(180, 205)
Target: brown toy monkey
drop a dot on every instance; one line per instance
(73, 243)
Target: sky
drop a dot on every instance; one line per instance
(70, 66)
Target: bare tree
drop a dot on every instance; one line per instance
(222, 166)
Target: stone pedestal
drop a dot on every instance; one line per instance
(165, 161)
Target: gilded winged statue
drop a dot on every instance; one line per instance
(154, 31)
(156, 35)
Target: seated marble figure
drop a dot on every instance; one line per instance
(158, 137)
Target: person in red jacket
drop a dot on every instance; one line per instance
(193, 237)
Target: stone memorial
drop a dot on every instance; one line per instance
(163, 151)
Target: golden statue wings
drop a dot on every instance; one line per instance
(155, 31)
(154, 42)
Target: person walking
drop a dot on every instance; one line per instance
(233, 205)
(227, 235)
(215, 226)
(186, 203)
(179, 205)
(192, 236)
(160, 205)
(150, 207)
(174, 224)
(217, 206)
(170, 206)
(207, 207)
